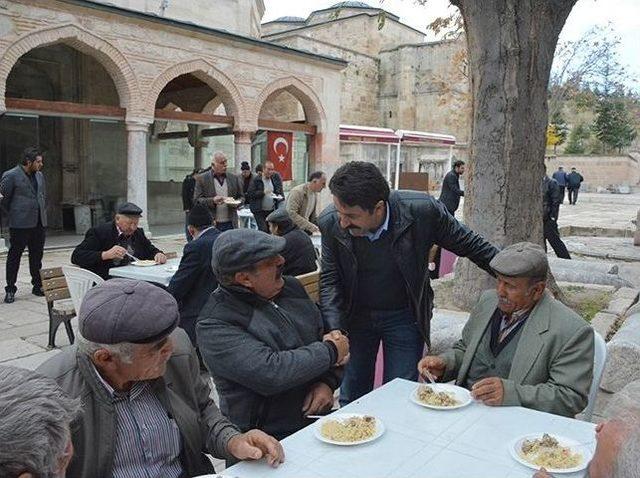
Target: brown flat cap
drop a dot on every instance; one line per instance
(523, 259)
(124, 310)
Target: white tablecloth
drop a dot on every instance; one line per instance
(418, 442)
(160, 274)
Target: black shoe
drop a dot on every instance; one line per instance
(37, 291)
(10, 298)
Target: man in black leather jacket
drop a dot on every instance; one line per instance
(551, 199)
(375, 281)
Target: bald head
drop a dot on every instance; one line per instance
(219, 163)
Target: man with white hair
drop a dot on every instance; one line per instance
(221, 192)
(146, 410)
(617, 452)
(35, 431)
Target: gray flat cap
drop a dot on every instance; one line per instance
(123, 310)
(279, 216)
(129, 209)
(239, 249)
(523, 259)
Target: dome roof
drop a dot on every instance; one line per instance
(289, 19)
(351, 4)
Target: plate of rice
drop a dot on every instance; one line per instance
(348, 429)
(144, 263)
(441, 396)
(555, 453)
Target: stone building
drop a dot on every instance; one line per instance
(393, 79)
(128, 96)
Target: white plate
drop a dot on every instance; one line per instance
(461, 394)
(277, 197)
(144, 263)
(232, 202)
(345, 416)
(584, 449)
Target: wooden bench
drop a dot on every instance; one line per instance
(55, 289)
(311, 283)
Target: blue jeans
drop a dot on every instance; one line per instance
(402, 345)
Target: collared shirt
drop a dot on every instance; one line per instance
(374, 236)
(202, 232)
(507, 324)
(220, 177)
(147, 441)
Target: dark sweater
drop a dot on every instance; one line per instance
(299, 253)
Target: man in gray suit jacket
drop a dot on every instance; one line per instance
(521, 347)
(24, 193)
(221, 192)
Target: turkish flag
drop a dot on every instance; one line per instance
(280, 153)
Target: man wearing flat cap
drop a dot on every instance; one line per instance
(194, 281)
(261, 337)
(116, 243)
(145, 409)
(521, 346)
(299, 254)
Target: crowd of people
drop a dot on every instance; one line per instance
(132, 392)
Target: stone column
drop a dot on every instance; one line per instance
(242, 147)
(636, 234)
(137, 133)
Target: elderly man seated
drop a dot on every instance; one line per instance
(34, 425)
(299, 253)
(146, 410)
(617, 452)
(521, 346)
(262, 339)
(116, 243)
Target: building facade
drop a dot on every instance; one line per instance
(127, 99)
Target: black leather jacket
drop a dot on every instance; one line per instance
(551, 199)
(417, 222)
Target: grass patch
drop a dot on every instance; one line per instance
(587, 303)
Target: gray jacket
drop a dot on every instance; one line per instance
(20, 201)
(205, 190)
(264, 355)
(182, 392)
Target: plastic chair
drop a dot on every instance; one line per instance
(79, 282)
(599, 360)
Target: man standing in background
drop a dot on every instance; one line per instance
(303, 200)
(561, 178)
(24, 194)
(451, 192)
(215, 189)
(188, 187)
(574, 179)
(265, 192)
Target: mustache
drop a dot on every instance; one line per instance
(279, 271)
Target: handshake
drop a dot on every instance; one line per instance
(342, 346)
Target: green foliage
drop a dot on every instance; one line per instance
(577, 137)
(613, 126)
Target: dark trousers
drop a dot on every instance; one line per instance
(561, 194)
(573, 195)
(402, 346)
(552, 235)
(33, 238)
(224, 226)
(261, 220)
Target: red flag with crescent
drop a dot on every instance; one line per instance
(280, 148)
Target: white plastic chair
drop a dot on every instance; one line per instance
(79, 281)
(599, 360)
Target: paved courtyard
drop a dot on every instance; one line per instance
(24, 324)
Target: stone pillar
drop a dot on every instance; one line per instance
(636, 234)
(242, 147)
(137, 168)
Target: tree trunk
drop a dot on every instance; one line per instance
(511, 44)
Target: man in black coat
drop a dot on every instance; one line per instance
(451, 192)
(299, 253)
(574, 179)
(551, 199)
(264, 194)
(374, 279)
(188, 187)
(113, 243)
(194, 280)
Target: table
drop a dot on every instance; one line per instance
(418, 442)
(160, 274)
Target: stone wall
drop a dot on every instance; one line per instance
(238, 16)
(599, 171)
(359, 80)
(424, 87)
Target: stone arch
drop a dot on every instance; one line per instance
(314, 111)
(206, 72)
(76, 37)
